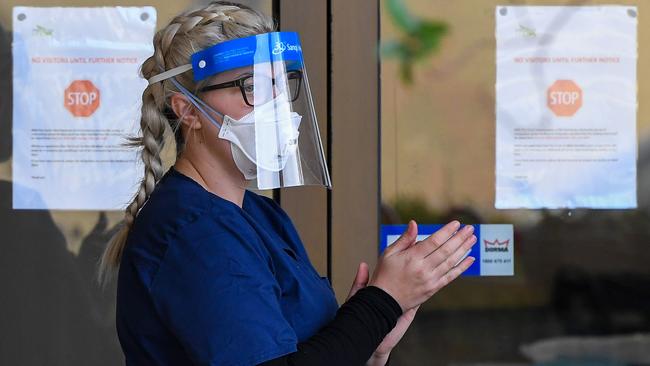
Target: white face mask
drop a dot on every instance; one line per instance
(270, 129)
(265, 138)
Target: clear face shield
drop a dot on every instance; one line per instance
(277, 144)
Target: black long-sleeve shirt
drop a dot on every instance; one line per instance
(350, 339)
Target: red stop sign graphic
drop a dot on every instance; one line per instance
(564, 98)
(81, 98)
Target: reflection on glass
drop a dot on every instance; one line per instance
(578, 273)
(51, 310)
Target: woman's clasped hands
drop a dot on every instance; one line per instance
(412, 271)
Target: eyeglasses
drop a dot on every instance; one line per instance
(260, 89)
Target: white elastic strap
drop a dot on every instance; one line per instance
(198, 102)
(169, 73)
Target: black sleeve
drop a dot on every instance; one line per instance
(350, 339)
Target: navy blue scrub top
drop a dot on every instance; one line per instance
(203, 281)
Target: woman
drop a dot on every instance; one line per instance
(213, 274)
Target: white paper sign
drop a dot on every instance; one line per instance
(566, 106)
(77, 95)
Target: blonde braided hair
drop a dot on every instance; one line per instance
(173, 45)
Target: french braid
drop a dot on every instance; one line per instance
(173, 45)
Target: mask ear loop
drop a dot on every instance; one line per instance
(198, 103)
(170, 74)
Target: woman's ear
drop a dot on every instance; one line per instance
(185, 111)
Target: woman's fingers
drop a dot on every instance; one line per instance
(446, 250)
(452, 274)
(435, 240)
(455, 258)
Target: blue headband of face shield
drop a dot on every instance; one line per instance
(240, 52)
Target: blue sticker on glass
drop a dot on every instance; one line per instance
(494, 248)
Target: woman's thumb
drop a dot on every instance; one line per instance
(406, 239)
(360, 280)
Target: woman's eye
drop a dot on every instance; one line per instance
(249, 88)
